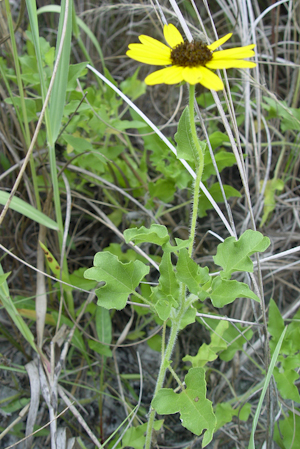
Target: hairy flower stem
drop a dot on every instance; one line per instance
(166, 357)
(199, 163)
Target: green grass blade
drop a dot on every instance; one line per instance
(32, 14)
(29, 211)
(264, 390)
(58, 94)
(12, 311)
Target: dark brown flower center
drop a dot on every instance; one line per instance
(191, 54)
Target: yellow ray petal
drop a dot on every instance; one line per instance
(172, 35)
(208, 79)
(219, 42)
(148, 58)
(235, 53)
(169, 75)
(148, 42)
(191, 75)
(230, 64)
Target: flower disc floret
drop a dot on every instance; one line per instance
(191, 62)
(191, 54)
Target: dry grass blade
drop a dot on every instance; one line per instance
(33, 375)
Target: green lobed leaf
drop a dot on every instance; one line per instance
(195, 410)
(233, 255)
(225, 292)
(120, 279)
(189, 272)
(232, 337)
(156, 234)
(135, 436)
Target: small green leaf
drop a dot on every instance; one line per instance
(215, 191)
(276, 323)
(156, 234)
(205, 354)
(189, 272)
(155, 343)
(225, 292)
(132, 87)
(99, 348)
(225, 412)
(269, 198)
(80, 145)
(103, 325)
(163, 189)
(217, 138)
(188, 318)
(165, 295)
(195, 410)
(163, 307)
(217, 337)
(289, 435)
(168, 280)
(233, 255)
(223, 159)
(120, 279)
(286, 384)
(233, 338)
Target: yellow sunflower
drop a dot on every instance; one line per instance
(188, 61)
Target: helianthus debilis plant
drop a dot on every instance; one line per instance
(181, 286)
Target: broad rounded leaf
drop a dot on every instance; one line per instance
(225, 292)
(195, 410)
(120, 279)
(234, 255)
(157, 234)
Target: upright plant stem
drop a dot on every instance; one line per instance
(160, 380)
(199, 162)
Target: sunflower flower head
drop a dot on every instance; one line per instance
(191, 62)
